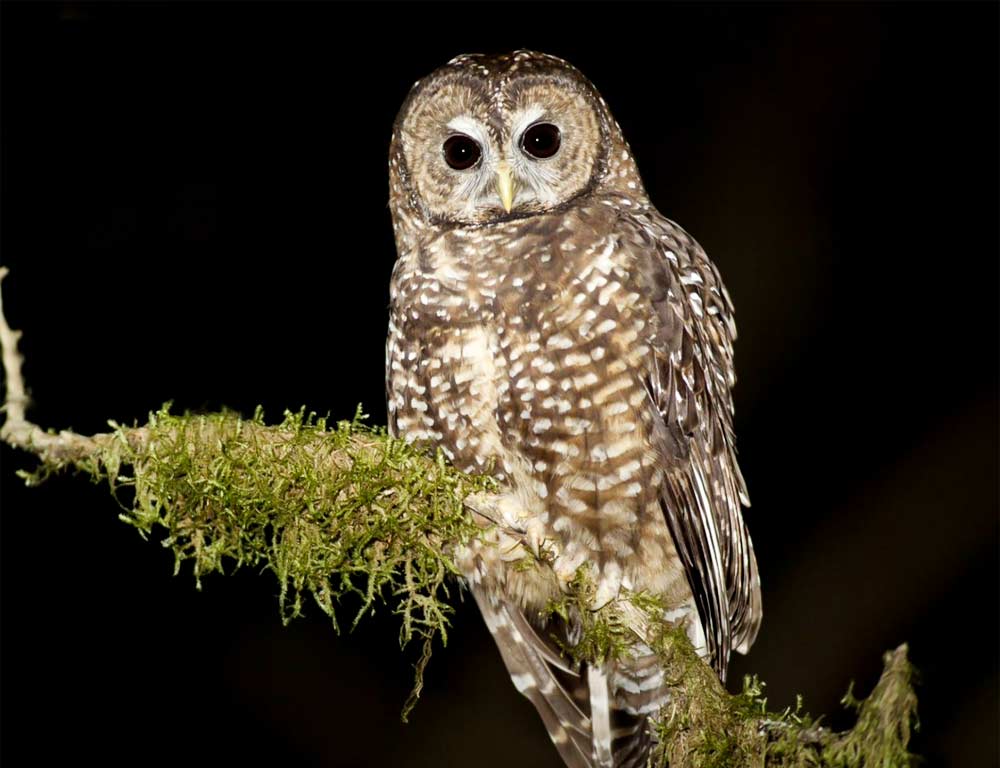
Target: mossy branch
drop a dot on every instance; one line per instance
(339, 509)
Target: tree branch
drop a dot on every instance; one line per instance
(343, 509)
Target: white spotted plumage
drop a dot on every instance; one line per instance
(578, 346)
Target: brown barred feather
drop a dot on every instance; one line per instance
(691, 385)
(579, 347)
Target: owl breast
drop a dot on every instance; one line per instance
(521, 352)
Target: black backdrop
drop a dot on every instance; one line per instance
(194, 208)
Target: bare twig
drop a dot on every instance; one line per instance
(17, 431)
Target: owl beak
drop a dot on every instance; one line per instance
(505, 185)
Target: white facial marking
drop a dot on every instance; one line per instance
(535, 176)
(475, 186)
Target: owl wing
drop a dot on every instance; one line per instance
(690, 382)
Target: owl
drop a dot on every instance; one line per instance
(549, 326)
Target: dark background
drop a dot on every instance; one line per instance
(194, 208)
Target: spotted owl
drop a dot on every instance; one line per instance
(548, 325)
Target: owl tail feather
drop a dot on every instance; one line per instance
(592, 718)
(535, 679)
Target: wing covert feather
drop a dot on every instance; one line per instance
(690, 382)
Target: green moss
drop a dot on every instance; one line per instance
(704, 726)
(344, 510)
(331, 511)
(604, 634)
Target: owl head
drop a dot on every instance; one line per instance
(488, 139)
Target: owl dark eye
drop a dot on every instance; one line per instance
(541, 140)
(461, 152)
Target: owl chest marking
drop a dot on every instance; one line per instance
(453, 360)
(530, 365)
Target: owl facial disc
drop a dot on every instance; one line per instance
(490, 139)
